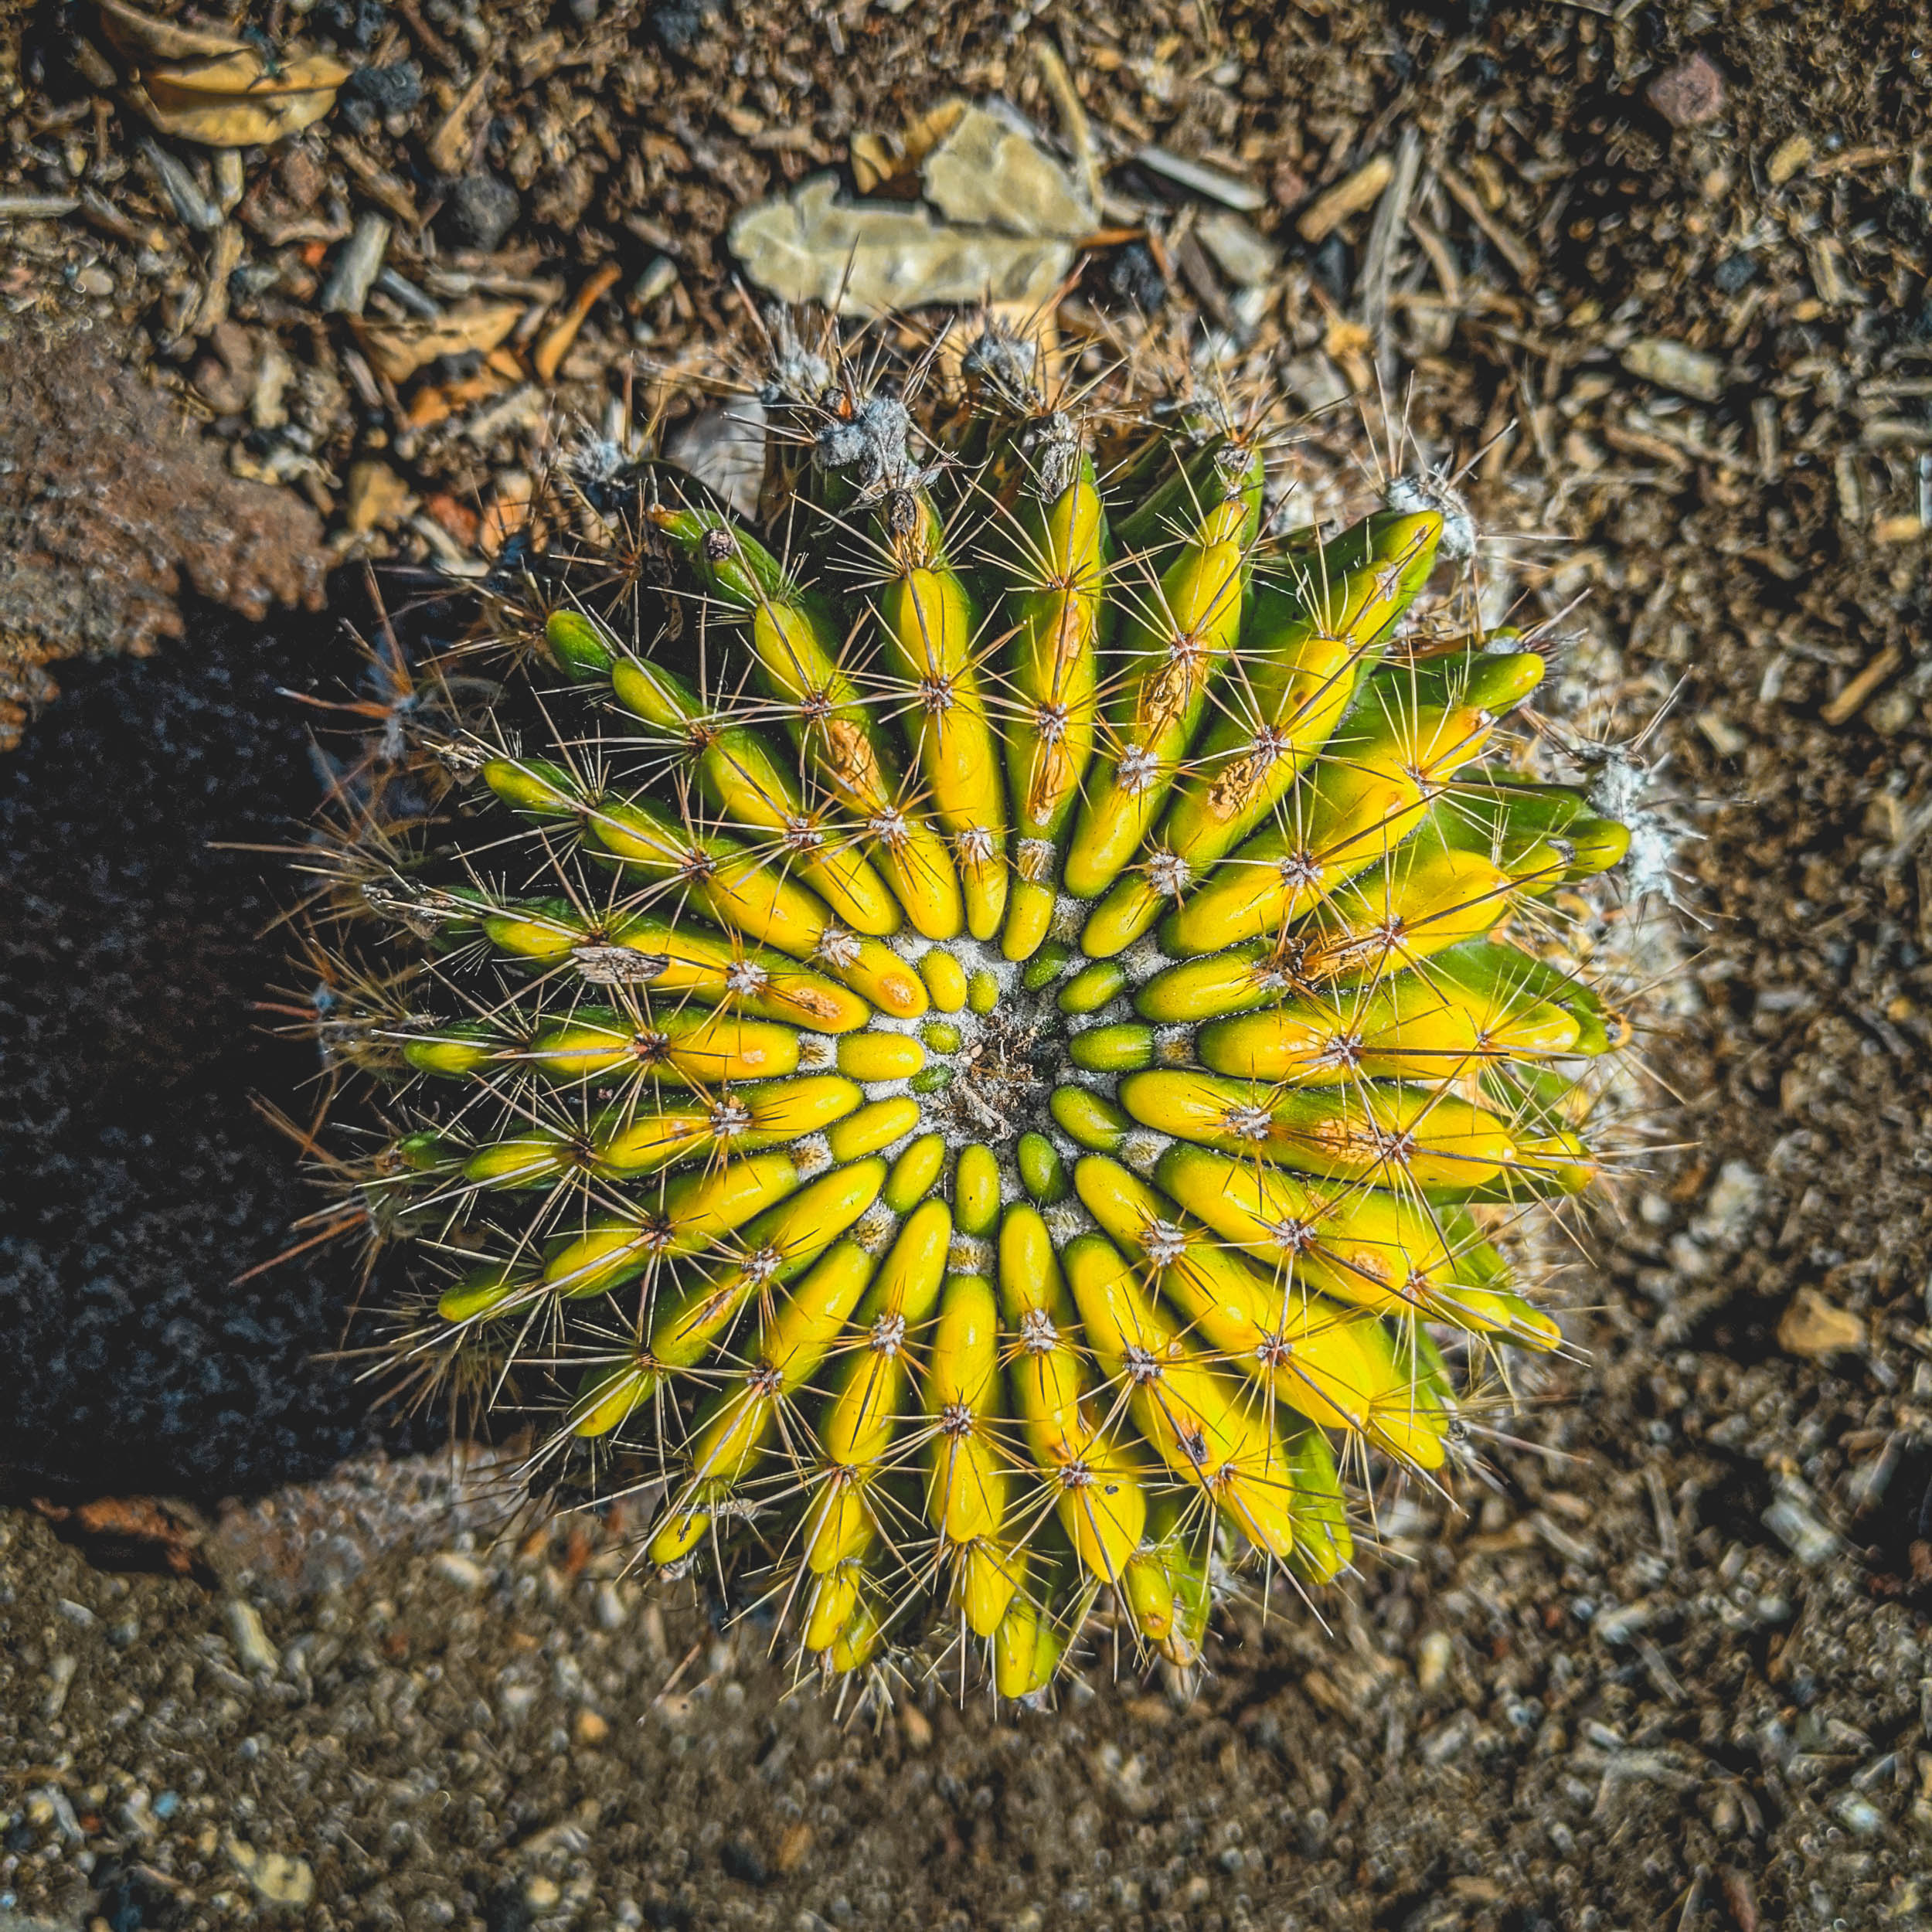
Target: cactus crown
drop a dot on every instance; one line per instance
(982, 1035)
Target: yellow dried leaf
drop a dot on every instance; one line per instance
(246, 72)
(229, 120)
(398, 350)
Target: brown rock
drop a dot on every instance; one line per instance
(1689, 93)
(225, 377)
(112, 502)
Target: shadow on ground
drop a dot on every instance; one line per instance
(139, 1182)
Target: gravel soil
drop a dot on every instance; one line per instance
(1667, 1666)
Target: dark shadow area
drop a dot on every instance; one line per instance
(138, 1180)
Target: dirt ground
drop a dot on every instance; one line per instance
(1668, 264)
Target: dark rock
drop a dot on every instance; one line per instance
(482, 208)
(1133, 278)
(389, 90)
(682, 27)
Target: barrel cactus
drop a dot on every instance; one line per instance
(983, 1037)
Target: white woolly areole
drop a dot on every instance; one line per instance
(1412, 495)
(1164, 1242)
(817, 1052)
(811, 1156)
(1143, 960)
(1169, 874)
(1037, 1333)
(1137, 770)
(874, 1229)
(761, 1267)
(1070, 915)
(970, 1255)
(837, 946)
(1066, 1220)
(1142, 1149)
(746, 976)
(1173, 1046)
(975, 845)
(1034, 857)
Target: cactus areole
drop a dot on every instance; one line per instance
(984, 1048)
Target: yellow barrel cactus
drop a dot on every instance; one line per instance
(981, 1036)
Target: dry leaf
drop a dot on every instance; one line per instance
(398, 350)
(867, 259)
(215, 90)
(988, 173)
(227, 121)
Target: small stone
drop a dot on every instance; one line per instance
(590, 1728)
(451, 1565)
(376, 498)
(540, 1893)
(300, 176)
(94, 279)
(250, 1640)
(482, 209)
(681, 27)
(1240, 251)
(1689, 93)
(1814, 1327)
(275, 1878)
(1432, 1660)
(225, 377)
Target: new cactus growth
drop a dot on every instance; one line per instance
(986, 1045)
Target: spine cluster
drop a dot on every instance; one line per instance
(983, 1036)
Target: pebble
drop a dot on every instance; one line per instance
(1432, 1660)
(1814, 1327)
(250, 1640)
(274, 1877)
(464, 1572)
(482, 209)
(1689, 93)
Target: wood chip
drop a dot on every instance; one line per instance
(1361, 190)
(397, 350)
(1243, 196)
(1676, 365)
(1839, 710)
(1507, 242)
(448, 148)
(562, 332)
(1787, 157)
